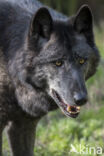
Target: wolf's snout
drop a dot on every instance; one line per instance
(80, 98)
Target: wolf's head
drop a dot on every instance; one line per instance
(61, 56)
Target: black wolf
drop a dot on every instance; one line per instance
(45, 58)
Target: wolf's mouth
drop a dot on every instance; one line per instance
(70, 111)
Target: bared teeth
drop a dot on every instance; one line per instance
(78, 108)
(71, 111)
(68, 108)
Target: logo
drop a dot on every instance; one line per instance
(87, 150)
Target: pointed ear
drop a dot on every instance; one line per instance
(83, 20)
(41, 24)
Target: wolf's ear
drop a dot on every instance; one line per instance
(41, 24)
(83, 20)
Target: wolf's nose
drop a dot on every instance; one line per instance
(80, 98)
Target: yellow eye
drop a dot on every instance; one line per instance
(58, 63)
(81, 61)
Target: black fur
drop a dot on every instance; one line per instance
(32, 38)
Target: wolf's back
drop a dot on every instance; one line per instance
(33, 5)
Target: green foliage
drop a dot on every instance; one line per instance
(99, 32)
(55, 137)
(68, 7)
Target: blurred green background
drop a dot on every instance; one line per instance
(69, 7)
(55, 132)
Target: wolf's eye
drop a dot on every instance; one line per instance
(59, 63)
(82, 61)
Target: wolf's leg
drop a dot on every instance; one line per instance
(22, 136)
(0, 142)
(1, 130)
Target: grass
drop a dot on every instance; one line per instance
(55, 138)
(56, 133)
